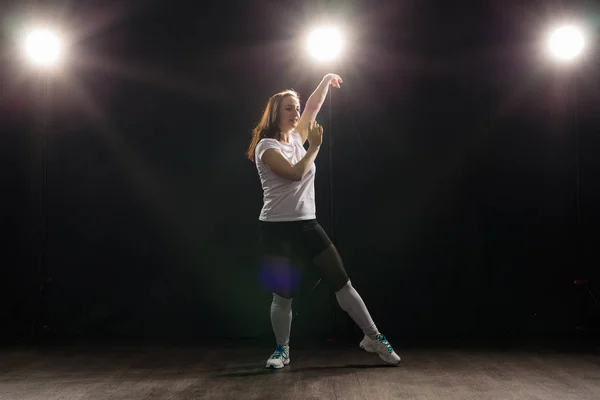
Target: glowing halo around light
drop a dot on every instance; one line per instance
(566, 43)
(43, 47)
(325, 44)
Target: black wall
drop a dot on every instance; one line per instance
(453, 162)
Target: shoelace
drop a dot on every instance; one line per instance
(382, 339)
(280, 352)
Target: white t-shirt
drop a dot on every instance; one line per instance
(285, 200)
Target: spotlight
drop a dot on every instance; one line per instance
(566, 43)
(325, 44)
(43, 47)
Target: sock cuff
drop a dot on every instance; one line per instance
(282, 302)
(347, 287)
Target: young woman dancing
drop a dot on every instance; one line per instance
(288, 227)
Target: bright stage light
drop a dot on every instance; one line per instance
(325, 44)
(566, 42)
(43, 47)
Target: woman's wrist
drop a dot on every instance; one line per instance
(314, 147)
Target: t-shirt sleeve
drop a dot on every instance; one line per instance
(263, 145)
(297, 136)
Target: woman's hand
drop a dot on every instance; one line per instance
(315, 133)
(334, 80)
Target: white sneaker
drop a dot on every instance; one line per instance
(279, 358)
(382, 347)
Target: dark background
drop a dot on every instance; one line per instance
(454, 168)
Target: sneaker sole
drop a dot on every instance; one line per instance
(286, 362)
(371, 350)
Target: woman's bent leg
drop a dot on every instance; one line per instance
(330, 264)
(332, 269)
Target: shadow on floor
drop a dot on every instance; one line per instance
(266, 371)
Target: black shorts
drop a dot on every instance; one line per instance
(302, 240)
(285, 248)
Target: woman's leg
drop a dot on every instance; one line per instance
(278, 275)
(281, 321)
(285, 276)
(332, 270)
(281, 318)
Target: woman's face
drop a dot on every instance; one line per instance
(289, 113)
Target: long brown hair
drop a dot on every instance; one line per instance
(268, 127)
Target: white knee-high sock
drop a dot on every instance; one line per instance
(351, 302)
(281, 318)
